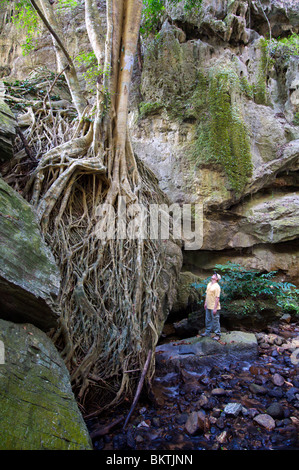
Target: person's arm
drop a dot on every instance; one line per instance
(216, 305)
(217, 300)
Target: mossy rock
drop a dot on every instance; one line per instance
(7, 132)
(38, 408)
(222, 138)
(29, 276)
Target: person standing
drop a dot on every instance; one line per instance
(212, 308)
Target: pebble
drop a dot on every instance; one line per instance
(278, 380)
(275, 410)
(233, 409)
(219, 391)
(257, 389)
(222, 437)
(265, 420)
(191, 425)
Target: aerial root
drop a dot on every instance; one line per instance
(109, 295)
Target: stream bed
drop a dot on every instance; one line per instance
(244, 406)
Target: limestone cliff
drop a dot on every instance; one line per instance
(217, 122)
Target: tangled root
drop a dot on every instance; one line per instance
(109, 294)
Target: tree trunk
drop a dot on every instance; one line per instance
(108, 297)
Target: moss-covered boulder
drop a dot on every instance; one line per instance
(29, 276)
(38, 408)
(7, 132)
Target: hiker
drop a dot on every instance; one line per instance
(212, 308)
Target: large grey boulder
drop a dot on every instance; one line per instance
(199, 354)
(38, 407)
(29, 276)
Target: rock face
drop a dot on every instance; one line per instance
(29, 277)
(218, 125)
(38, 408)
(200, 354)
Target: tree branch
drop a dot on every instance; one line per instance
(49, 27)
(139, 388)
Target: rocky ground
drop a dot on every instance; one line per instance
(244, 406)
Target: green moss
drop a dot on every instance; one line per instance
(246, 88)
(296, 119)
(222, 136)
(148, 108)
(260, 92)
(35, 388)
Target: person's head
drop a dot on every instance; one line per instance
(216, 277)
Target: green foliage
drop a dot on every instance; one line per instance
(238, 283)
(285, 46)
(67, 4)
(89, 61)
(153, 10)
(25, 17)
(222, 136)
(151, 15)
(148, 108)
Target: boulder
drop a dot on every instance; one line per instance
(255, 314)
(199, 354)
(38, 408)
(7, 132)
(29, 276)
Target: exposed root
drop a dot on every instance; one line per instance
(109, 295)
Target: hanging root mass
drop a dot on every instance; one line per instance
(109, 294)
